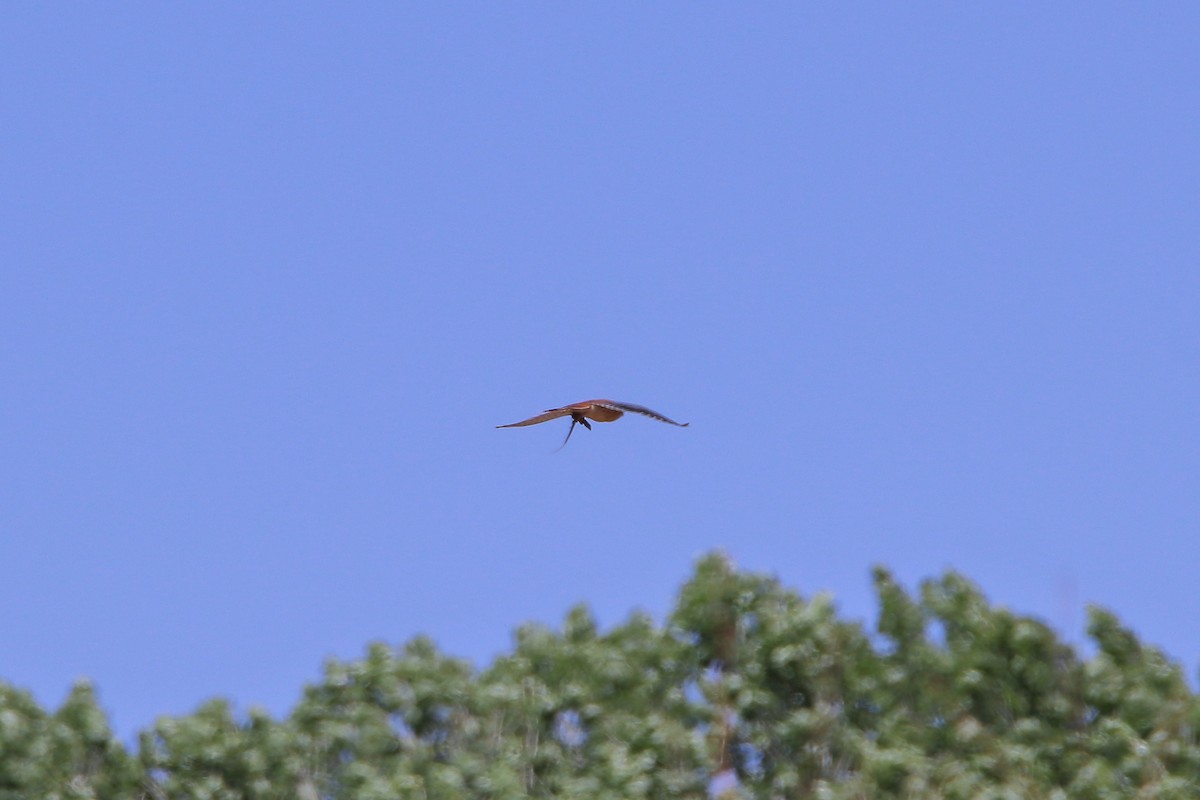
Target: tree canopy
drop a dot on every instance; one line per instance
(747, 689)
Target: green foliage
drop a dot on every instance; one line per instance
(211, 756)
(69, 755)
(749, 690)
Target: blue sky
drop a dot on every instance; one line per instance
(925, 280)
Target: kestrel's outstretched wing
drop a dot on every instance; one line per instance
(639, 410)
(596, 410)
(553, 413)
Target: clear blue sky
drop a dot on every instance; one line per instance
(925, 281)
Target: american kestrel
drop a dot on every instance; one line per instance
(595, 410)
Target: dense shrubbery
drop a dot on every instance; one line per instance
(748, 689)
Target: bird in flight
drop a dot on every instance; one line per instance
(595, 410)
